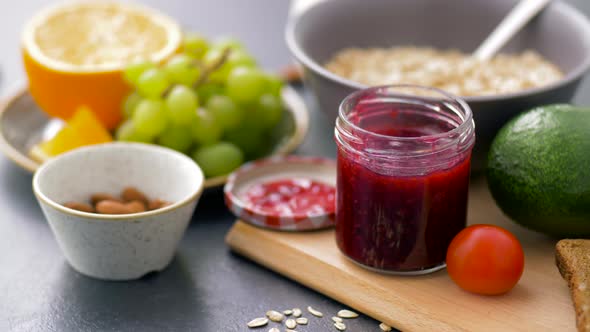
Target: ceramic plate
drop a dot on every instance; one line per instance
(23, 124)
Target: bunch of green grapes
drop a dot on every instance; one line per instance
(211, 102)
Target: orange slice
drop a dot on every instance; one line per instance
(74, 54)
(82, 129)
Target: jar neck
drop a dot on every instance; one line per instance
(405, 126)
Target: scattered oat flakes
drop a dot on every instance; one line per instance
(347, 314)
(274, 329)
(258, 322)
(288, 312)
(297, 312)
(275, 316)
(301, 321)
(337, 319)
(384, 327)
(340, 326)
(314, 312)
(290, 323)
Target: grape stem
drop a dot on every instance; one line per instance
(207, 70)
(167, 91)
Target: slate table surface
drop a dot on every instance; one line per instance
(207, 287)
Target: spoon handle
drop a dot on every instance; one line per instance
(524, 11)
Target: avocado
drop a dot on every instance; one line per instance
(539, 170)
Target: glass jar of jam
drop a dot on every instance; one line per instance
(404, 156)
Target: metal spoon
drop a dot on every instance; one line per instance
(516, 19)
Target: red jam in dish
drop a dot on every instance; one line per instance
(291, 197)
(394, 221)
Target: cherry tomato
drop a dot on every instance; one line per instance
(485, 259)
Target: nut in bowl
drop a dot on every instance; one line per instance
(118, 246)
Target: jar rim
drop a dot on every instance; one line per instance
(467, 118)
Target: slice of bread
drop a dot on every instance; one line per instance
(573, 261)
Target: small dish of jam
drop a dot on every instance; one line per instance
(290, 193)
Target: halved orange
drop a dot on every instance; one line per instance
(74, 54)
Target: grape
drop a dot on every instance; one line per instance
(251, 120)
(285, 128)
(245, 85)
(252, 144)
(181, 104)
(209, 90)
(127, 132)
(239, 58)
(195, 44)
(274, 85)
(269, 110)
(205, 128)
(178, 138)
(130, 103)
(218, 159)
(182, 69)
(135, 69)
(227, 42)
(236, 58)
(225, 111)
(249, 137)
(150, 118)
(152, 83)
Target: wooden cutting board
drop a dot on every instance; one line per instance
(540, 301)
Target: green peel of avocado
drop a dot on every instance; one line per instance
(539, 170)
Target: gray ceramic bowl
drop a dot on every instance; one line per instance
(560, 33)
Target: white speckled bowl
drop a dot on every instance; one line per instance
(119, 247)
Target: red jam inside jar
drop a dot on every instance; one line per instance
(403, 175)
